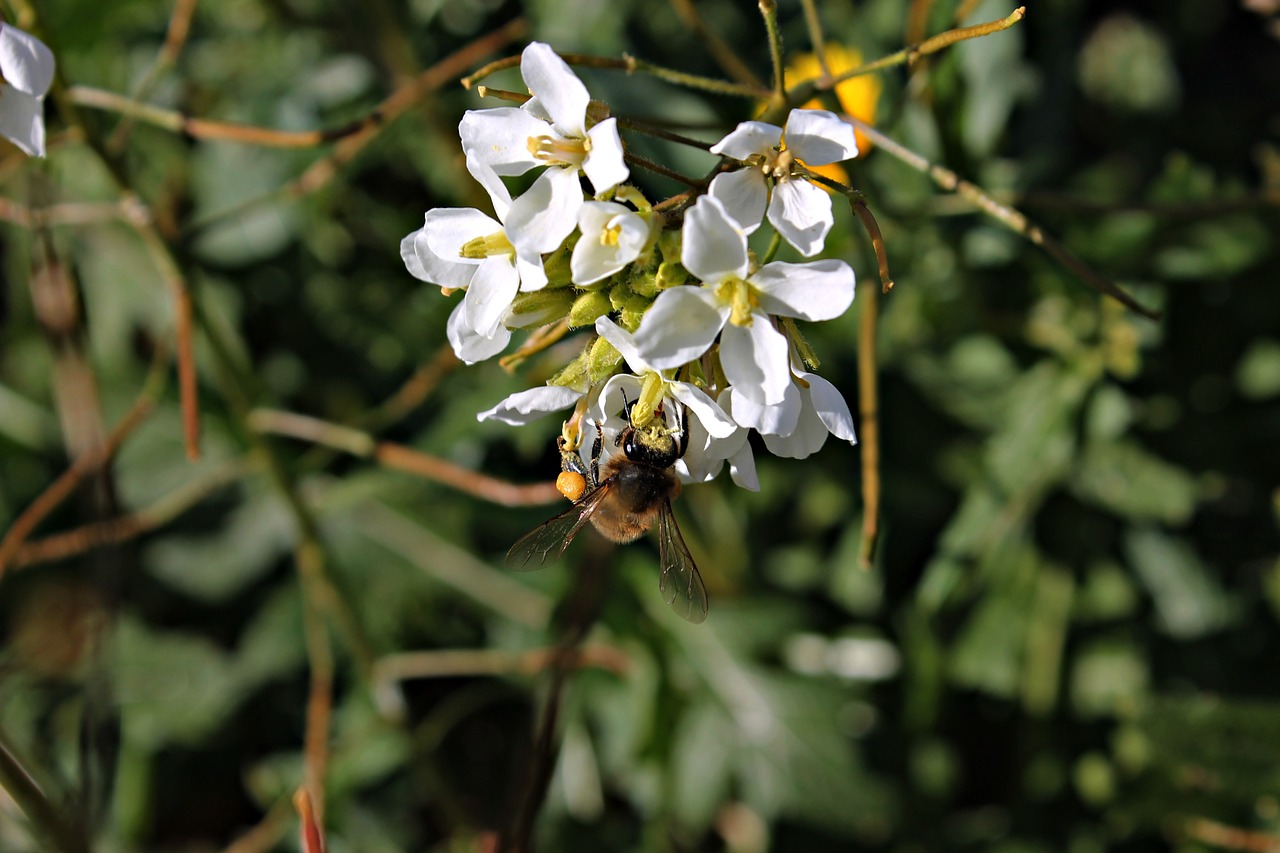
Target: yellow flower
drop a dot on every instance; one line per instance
(858, 96)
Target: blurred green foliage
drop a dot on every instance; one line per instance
(1069, 640)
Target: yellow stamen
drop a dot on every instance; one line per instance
(741, 298)
(479, 248)
(560, 152)
(651, 388)
(610, 233)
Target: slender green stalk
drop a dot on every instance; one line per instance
(59, 832)
(804, 91)
(1011, 218)
(769, 10)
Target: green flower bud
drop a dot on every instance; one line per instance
(539, 307)
(587, 307)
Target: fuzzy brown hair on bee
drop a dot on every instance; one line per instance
(629, 496)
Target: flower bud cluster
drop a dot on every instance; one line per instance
(683, 316)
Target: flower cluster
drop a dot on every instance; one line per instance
(26, 73)
(684, 315)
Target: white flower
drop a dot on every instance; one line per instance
(701, 406)
(462, 248)
(523, 407)
(799, 210)
(26, 65)
(549, 130)
(684, 321)
(612, 237)
(707, 422)
(812, 409)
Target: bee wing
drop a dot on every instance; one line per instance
(679, 581)
(556, 534)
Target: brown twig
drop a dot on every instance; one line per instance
(57, 827)
(265, 834)
(1228, 837)
(312, 576)
(60, 489)
(321, 172)
(869, 415)
(716, 47)
(913, 53)
(455, 662)
(1012, 219)
(174, 40)
(312, 827)
(113, 531)
(402, 458)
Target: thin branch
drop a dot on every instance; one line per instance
(456, 662)
(869, 417)
(113, 531)
(62, 488)
(312, 826)
(62, 835)
(1227, 837)
(320, 173)
(312, 576)
(402, 458)
(651, 129)
(716, 47)
(1012, 219)
(769, 11)
(174, 40)
(266, 834)
(910, 54)
(659, 169)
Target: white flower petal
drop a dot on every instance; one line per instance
(609, 407)
(742, 468)
(409, 254)
(25, 62)
(831, 407)
(754, 359)
(743, 194)
(604, 165)
(469, 346)
(714, 246)
(623, 342)
(558, 89)
(422, 263)
(448, 229)
(819, 137)
(493, 185)
(22, 119)
(747, 139)
(499, 139)
(532, 274)
(679, 326)
(802, 214)
(819, 290)
(777, 419)
(805, 440)
(703, 408)
(492, 290)
(527, 406)
(546, 213)
(612, 237)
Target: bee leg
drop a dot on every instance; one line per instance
(597, 447)
(683, 424)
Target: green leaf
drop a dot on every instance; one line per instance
(1189, 601)
(173, 688)
(1122, 477)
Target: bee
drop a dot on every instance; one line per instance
(634, 494)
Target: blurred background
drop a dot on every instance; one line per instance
(1068, 640)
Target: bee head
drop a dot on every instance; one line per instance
(654, 444)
